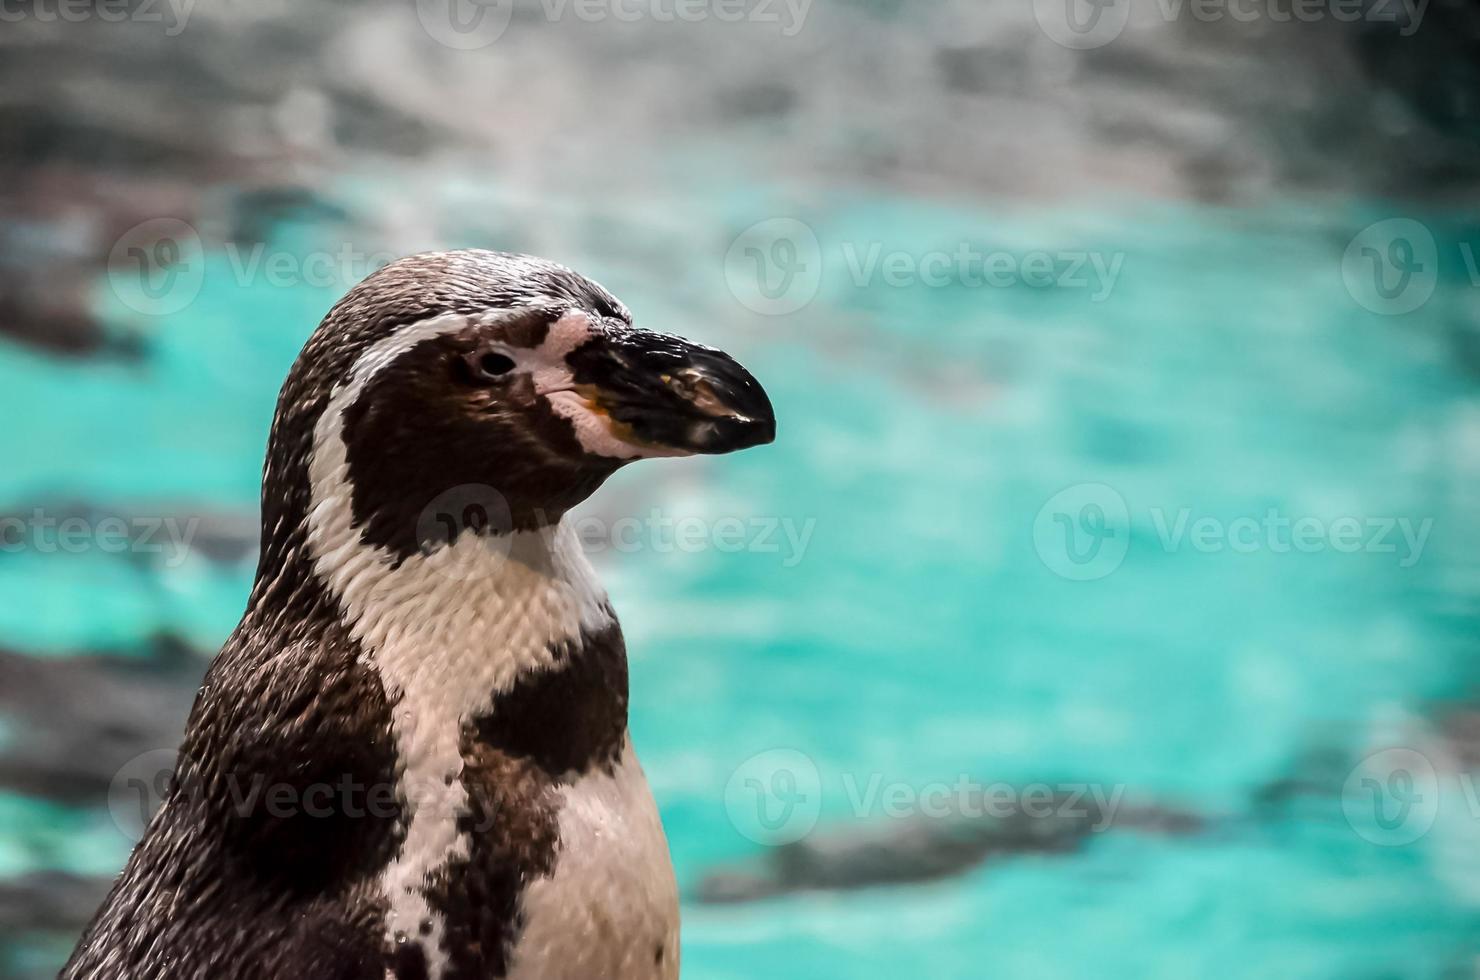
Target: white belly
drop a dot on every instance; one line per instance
(610, 910)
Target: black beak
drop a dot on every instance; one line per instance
(668, 392)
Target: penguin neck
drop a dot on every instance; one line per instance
(453, 634)
(479, 615)
(483, 612)
(461, 624)
(479, 610)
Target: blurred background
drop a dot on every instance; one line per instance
(1107, 606)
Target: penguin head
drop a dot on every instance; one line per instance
(489, 370)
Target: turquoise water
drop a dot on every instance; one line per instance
(920, 635)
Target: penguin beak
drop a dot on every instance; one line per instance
(675, 396)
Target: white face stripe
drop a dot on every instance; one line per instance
(446, 632)
(552, 375)
(566, 334)
(592, 431)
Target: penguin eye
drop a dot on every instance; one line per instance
(489, 365)
(494, 364)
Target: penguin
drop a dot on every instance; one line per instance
(411, 760)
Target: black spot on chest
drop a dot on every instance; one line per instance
(410, 962)
(549, 728)
(569, 719)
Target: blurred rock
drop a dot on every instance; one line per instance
(59, 322)
(925, 849)
(73, 722)
(43, 913)
(50, 901)
(244, 114)
(219, 536)
(1432, 65)
(1315, 776)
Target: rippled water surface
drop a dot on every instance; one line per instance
(1029, 532)
(923, 632)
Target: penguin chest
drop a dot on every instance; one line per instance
(608, 906)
